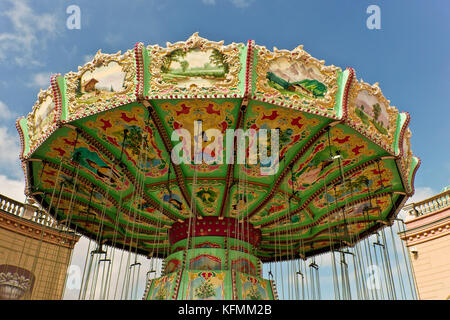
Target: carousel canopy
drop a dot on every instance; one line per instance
(97, 146)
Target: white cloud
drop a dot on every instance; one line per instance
(113, 38)
(241, 3)
(14, 189)
(29, 31)
(40, 80)
(9, 154)
(9, 147)
(420, 193)
(236, 3)
(11, 175)
(88, 58)
(5, 113)
(121, 261)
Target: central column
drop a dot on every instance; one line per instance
(212, 258)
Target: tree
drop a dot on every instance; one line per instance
(175, 55)
(205, 290)
(184, 65)
(162, 293)
(78, 92)
(254, 294)
(376, 110)
(217, 59)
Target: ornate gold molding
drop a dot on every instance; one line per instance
(329, 74)
(73, 80)
(231, 54)
(406, 153)
(370, 129)
(38, 125)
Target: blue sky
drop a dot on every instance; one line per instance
(408, 56)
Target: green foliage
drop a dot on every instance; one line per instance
(162, 293)
(376, 110)
(89, 101)
(217, 73)
(254, 294)
(207, 196)
(362, 115)
(276, 79)
(184, 65)
(367, 119)
(134, 139)
(218, 59)
(78, 92)
(205, 290)
(77, 157)
(216, 68)
(317, 88)
(358, 184)
(379, 126)
(175, 55)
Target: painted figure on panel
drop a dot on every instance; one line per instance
(174, 200)
(91, 161)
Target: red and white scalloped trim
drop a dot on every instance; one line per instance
(121, 102)
(22, 138)
(402, 133)
(139, 62)
(234, 285)
(147, 288)
(249, 67)
(400, 162)
(348, 84)
(296, 107)
(177, 284)
(57, 100)
(414, 175)
(274, 289)
(194, 96)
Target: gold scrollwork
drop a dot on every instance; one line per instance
(73, 80)
(42, 118)
(329, 74)
(370, 128)
(407, 152)
(230, 53)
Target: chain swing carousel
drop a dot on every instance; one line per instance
(97, 146)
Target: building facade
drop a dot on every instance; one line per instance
(427, 237)
(34, 253)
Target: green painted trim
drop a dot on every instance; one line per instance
(401, 119)
(415, 163)
(61, 81)
(253, 76)
(146, 62)
(243, 60)
(26, 140)
(341, 81)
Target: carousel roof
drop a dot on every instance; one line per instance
(96, 147)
